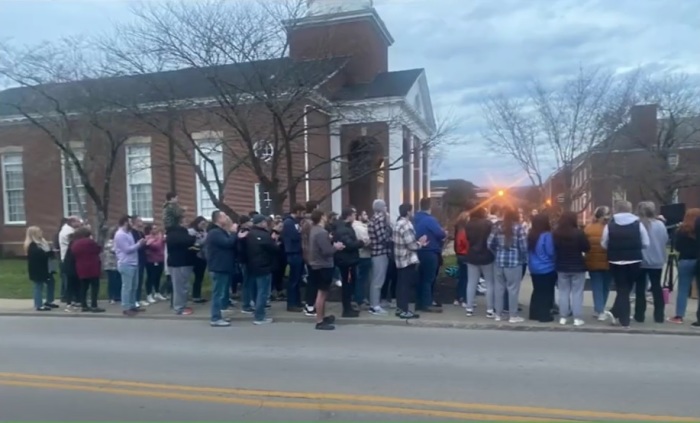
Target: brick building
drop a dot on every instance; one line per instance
(651, 158)
(40, 186)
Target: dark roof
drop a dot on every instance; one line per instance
(386, 84)
(277, 76)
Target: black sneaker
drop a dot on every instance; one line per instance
(696, 324)
(97, 310)
(295, 309)
(247, 311)
(85, 309)
(310, 311)
(51, 305)
(324, 326)
(199, 300)
(329, 319)
(351, 313)
(43, 308)
(407, 315)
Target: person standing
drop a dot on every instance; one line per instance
(155, 261)
(109, 265)
(127, 250)
(379, 231)
(291, 237)
(429, 256)
(88, 267)
(137, 232)
(220, 245)
(507, 241)
(541, 259)
(653, 261)
(406, 247)
(198, 229)
(310, 293)
(597, 261)
(479, 260)
(181, 256)
(173, 213)
(38, 255)
(570, 243)
(262, 250)
(321, 252)
(461, 247)
(348, 258)
(71, 223)
(688, 247)
(624, 238)
(364, 266)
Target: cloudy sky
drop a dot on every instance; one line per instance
(470, 48)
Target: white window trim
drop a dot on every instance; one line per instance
(4, 192)
(258, 204)
(137, 142)
(673, 164)
(77, 148)
(204, 137)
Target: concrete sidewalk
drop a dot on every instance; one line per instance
(452, 317)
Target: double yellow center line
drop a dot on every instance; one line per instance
(321, 401)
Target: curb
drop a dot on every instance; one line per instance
(389, 322)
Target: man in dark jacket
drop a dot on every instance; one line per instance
(261, 249)
(291, 236)
(181, 256)
(220, 246)
(479, 260)
(346, 260)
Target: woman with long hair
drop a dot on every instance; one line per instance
(597, 261)
(109, 265)
(687, 245)
(39, 253)
(461, 246)
(653, 262)
(198, 228)
(570, 243)
(541, 259)
(155, 260)
(507, 241)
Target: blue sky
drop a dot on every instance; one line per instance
(470, 48)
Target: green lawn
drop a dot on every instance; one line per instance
(15, 285)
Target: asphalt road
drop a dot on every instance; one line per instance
(147, 370)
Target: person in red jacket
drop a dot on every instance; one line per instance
(88, 267)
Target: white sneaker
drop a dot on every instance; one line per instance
(265, 321)
(377, 311)
(219, 324)
(516, 319)
(464, 305)
(613, 320)
(384, 304)
(497, 318)
(579, 322)
(562, 321)
(160, 297)
(392, 304)
(603, 317)
(490, 314)
(338, 283)
(150, 299)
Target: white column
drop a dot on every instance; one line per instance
(395, 160)
(336, 166)
(420, 168)
(427, 171)
(411, 164)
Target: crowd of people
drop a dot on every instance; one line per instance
(376, 262)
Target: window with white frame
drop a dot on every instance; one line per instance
(13, 188)
(263, 201)
(673, 160)
(73, 188)
(139, 180)
(618, 194)
(210, 159)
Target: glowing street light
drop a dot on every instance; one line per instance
(548, 202)
(501, 193)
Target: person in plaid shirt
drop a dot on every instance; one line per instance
(508, 242)
(405, 254)
(379, 231)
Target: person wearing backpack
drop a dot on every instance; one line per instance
(461, 247)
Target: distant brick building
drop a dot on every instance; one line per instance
(39, 186)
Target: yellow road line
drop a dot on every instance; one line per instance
(491, 408)
(262, 403)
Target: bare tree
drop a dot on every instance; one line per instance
(558, 127)
(267, 103)
(60, 95)
(665, 170)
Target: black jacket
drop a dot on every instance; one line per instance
(220, 248)
(142, 251)
(478, 231)
(569, 249)
(261, 251)
(350, 255)
(179, 243)
(686, 246)
(242, 247)
(38, 263)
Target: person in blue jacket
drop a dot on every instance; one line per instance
(291, 238)
(427, 225)
(541, 260)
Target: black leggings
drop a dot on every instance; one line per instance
(200, 267)
(73, 289)
(389, 287)
(154, 271)
(542, 299)
(278, 273)
(348, 275)
(92, 284)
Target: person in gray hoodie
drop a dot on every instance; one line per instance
(653, 261)
(624, 238)
(321, 264)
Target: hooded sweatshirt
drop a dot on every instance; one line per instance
(654, 256)
(624, 219)
(426, 224)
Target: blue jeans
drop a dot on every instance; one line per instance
(686, 273)
(219, 294)
(39, 290)
(600, 286)
(427, 271)
(129, 274)
(462, 280)
(114, 285)
(248, 289)
(296, 270)
(364, 268)
(262, 285)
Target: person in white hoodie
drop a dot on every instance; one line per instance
(624, 238)
(653, 261)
